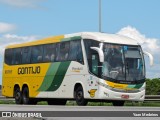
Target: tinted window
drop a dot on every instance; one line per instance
(8, 56)
(26, 55)
(37, 53)
(16, 56)
(75, 53)
(63, 51)
(91, 54)
(49, 53)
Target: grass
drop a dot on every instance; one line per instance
(73, 103)
(7, 102)
(139, 104)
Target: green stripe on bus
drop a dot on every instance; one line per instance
(49, 76)
(131, 86)
(57, 80)
(138, 86)
(72, 38)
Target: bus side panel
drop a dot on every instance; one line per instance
(75, 74)
(7, 86)
(78, 73)
(24, 75)
(66, 90)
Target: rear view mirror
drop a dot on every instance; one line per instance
(151, 59)
(100, 52)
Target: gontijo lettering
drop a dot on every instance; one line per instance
(29, 70)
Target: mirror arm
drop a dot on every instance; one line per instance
(100, 52)
(150, 57)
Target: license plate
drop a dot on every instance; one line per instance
(125, 96)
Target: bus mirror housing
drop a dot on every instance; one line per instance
(100, 52)
(150, 57)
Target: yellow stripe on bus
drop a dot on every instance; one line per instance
(117, 85)
(38, 42)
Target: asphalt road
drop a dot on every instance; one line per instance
(33, 108)
(73, 108)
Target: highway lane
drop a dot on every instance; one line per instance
(73, 108)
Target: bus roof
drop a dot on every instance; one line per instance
(103, 37)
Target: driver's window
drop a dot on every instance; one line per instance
(94, 64)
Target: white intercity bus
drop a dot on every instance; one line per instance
(87, 66)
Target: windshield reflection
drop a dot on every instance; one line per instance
(123, 62)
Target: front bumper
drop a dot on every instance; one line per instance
(107, 94)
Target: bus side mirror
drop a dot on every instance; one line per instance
(150, 57)
(100, 52)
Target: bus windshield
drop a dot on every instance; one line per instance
(122, 62)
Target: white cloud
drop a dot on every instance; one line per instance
(22, 3)
(6, 27)
(132, 33)
(9, 39)
(151, 45)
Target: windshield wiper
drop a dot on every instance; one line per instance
(127, 67)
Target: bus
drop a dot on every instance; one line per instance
(86, 66)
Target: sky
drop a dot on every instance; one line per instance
(28, 20)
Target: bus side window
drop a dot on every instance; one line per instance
(92, 56)
(26, 55)
(49, 53)
(16, 56)
(63, 51)
(37, 52)
(75, 53)
(8, 56)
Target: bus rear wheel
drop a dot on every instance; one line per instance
(56, 102)
(25, 97)
(118, 103)
(79, 96)
(18, 96)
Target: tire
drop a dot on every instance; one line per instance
(25, 98)
(118, 103)
(56, 102)
(79, 96)
(18, 96)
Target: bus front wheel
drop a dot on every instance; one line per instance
(118, 103)
(18, 96)
(79, 96)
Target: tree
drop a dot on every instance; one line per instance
(152, 86)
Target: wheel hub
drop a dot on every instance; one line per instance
(79, 95)
(17, 96)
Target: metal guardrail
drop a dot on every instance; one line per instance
(2, 98)
(152, 98)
